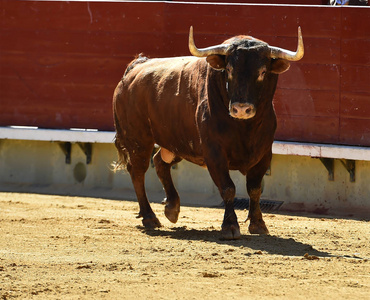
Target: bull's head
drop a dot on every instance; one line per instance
(248, 62)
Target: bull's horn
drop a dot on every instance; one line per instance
(289, 55)
(219, 49)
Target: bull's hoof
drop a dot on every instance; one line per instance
(171, 211)
(230, 232)
(151, 222)
(258, 227)
(172, 214)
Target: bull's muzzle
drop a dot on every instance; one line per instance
(240, 110)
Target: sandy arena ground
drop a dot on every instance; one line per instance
(54, 247)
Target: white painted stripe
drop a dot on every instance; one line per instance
(56, 135)
(321, 150)
(94, 136)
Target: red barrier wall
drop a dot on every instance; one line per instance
(60, 61)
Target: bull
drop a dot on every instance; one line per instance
(213, 109)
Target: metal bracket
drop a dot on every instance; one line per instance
(350, 166)
(329, 165)
(87, 149)
(66, 148)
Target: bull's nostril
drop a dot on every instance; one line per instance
(235, 110)
(248, 110)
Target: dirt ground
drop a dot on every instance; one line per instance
(54, 247)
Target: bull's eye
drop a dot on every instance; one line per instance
(262, 73)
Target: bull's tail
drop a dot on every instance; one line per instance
(123, 155)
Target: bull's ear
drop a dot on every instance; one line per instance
(279, 66)
(217, 61)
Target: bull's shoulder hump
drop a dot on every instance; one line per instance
(160, 67)
(169, 62)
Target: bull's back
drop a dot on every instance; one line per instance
(161, 95)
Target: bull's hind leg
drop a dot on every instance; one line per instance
(139, 163)
(172, 201)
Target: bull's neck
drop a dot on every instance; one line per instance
(216, 88)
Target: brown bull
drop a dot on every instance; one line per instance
(213, 109)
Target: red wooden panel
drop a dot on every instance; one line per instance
(307, 129)
(79, 42)
(83, 16)
(310, 77)
(60, 118)
(355, 22)
(60, 60)
(63, 69)
(355, 131)
(355, 78)
(355, 105)
(306, 103)
(246, 19)
(54, 105)
(47, 93)
(356, 51)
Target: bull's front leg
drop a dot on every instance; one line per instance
(257, 224)
(254, 180)
(218, 168)
(230, 227)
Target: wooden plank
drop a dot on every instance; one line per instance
(57, 106)
(83, 16)
(63, 68)
(307, 129)
(246, 19)
(355, 69)
(355, 22)
(306, 103)
(356, 51)
(355, 105)
(354, 131)
(80, 43)
(355, 78)
(311, 77)
(60, 118)
(50, 93)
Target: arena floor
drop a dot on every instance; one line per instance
(54, 247)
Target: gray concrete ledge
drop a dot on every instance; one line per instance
(95, 136)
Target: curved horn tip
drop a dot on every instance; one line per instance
(191, 30)
(204, 52)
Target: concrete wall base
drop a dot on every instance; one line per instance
(301, 182)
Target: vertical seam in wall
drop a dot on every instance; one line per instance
(340, 75)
